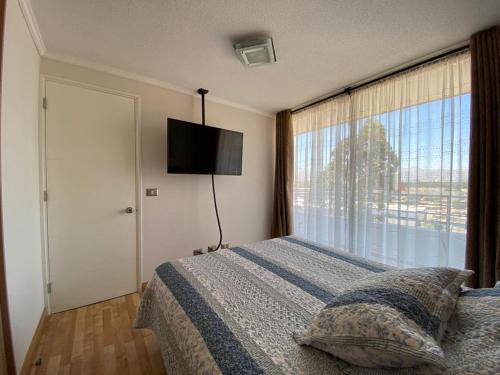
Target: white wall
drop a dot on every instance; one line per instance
(182, 217)
(20, 176)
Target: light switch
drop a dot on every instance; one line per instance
(151, 192)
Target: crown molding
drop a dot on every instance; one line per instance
(36, 35)
(383, 73)
(32, 24)
(151, 81)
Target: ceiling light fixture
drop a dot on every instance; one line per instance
(256, 52)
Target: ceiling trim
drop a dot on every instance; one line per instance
(151, 81)
(30, 19)
(36, 35)
(382, 74)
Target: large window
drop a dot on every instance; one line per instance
(382, 172)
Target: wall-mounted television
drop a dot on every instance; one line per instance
(200, 149)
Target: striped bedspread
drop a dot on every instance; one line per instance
(234, 311)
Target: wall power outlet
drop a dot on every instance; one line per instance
(222, 246)
(198, 252)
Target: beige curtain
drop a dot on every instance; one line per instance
(283, 177)
(483, 226)
(382, 173)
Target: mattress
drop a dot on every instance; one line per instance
(234, 311)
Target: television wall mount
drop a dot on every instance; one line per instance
(204, 92)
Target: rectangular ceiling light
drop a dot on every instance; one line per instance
(256, 52)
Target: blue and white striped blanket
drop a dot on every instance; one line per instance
(235, 311)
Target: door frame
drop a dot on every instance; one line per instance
(43, 175)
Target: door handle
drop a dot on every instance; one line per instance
(129, 210)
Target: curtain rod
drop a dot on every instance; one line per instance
(349, 89)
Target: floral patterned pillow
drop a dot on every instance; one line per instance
(392, 319)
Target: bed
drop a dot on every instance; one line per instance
(234, 311)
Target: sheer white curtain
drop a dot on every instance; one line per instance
(382, 173)
(321, 167)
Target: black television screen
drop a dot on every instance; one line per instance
(201, 149)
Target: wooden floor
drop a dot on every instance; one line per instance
(98, 339)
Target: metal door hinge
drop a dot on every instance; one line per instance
(44, 103)
(45, 196)
(49, 288)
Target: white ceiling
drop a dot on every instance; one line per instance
(320, 45)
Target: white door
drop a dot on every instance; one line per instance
(90, 166)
